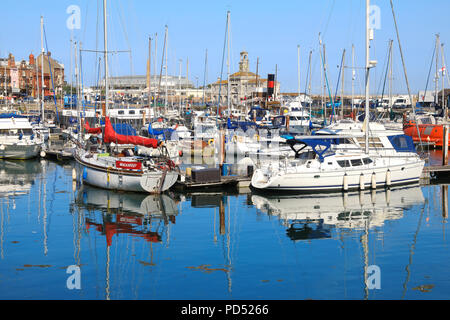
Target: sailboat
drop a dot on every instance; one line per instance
(121, 169)
(319, 165)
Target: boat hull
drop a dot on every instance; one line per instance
(429, 133)
(334, 180)
(125, 180)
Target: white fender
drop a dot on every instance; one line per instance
(345, 182)
(388, 178)
(374, 181)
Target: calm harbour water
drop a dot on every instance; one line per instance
(216, 245)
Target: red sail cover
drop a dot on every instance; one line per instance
(112, 136)
(92, 130)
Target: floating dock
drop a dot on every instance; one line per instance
(436, 171)
(224, 182)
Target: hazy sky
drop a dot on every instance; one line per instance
(270, 30)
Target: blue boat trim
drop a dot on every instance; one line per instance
(340, 186)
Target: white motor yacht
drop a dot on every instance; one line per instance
(18, 139)
(318, 166)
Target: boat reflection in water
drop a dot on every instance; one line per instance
(130, 213)
(314, 216)
(136, 215)
(18, 176)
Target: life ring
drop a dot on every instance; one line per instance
(210, 141)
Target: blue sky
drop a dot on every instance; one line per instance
(270, 30)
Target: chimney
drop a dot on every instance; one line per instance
(31, 59)
(270, 84)
(11, 61)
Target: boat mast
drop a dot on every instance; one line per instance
(166, 75)
(179, 88)
(205, 74)
(228, 63)
(298, 71)
(391, 60)
(342, 85)
(366, 107)
(105, 59)
(187, 79)
(38, 95)
(155, 62)
(325, 83)
(446, 73)
(444, 106)
(42, 70)
(149, 77)
(353, 76)
(6, 88)
(78, 92)
(309, 84)
(436, 78)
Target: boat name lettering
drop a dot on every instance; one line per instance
(129, 165)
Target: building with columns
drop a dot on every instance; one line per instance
(244, 85)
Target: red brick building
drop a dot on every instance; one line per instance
(24, 78)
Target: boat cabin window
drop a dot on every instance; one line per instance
(121, 112)
(344, 163)
(141, 111)
(344, 141)
(131, 112)
(26, 132)
(307, 155)
(356, 162)
(367, 160)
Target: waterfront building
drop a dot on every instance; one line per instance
(23, 78)
(244, 85)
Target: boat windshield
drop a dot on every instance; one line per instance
(307, 155)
